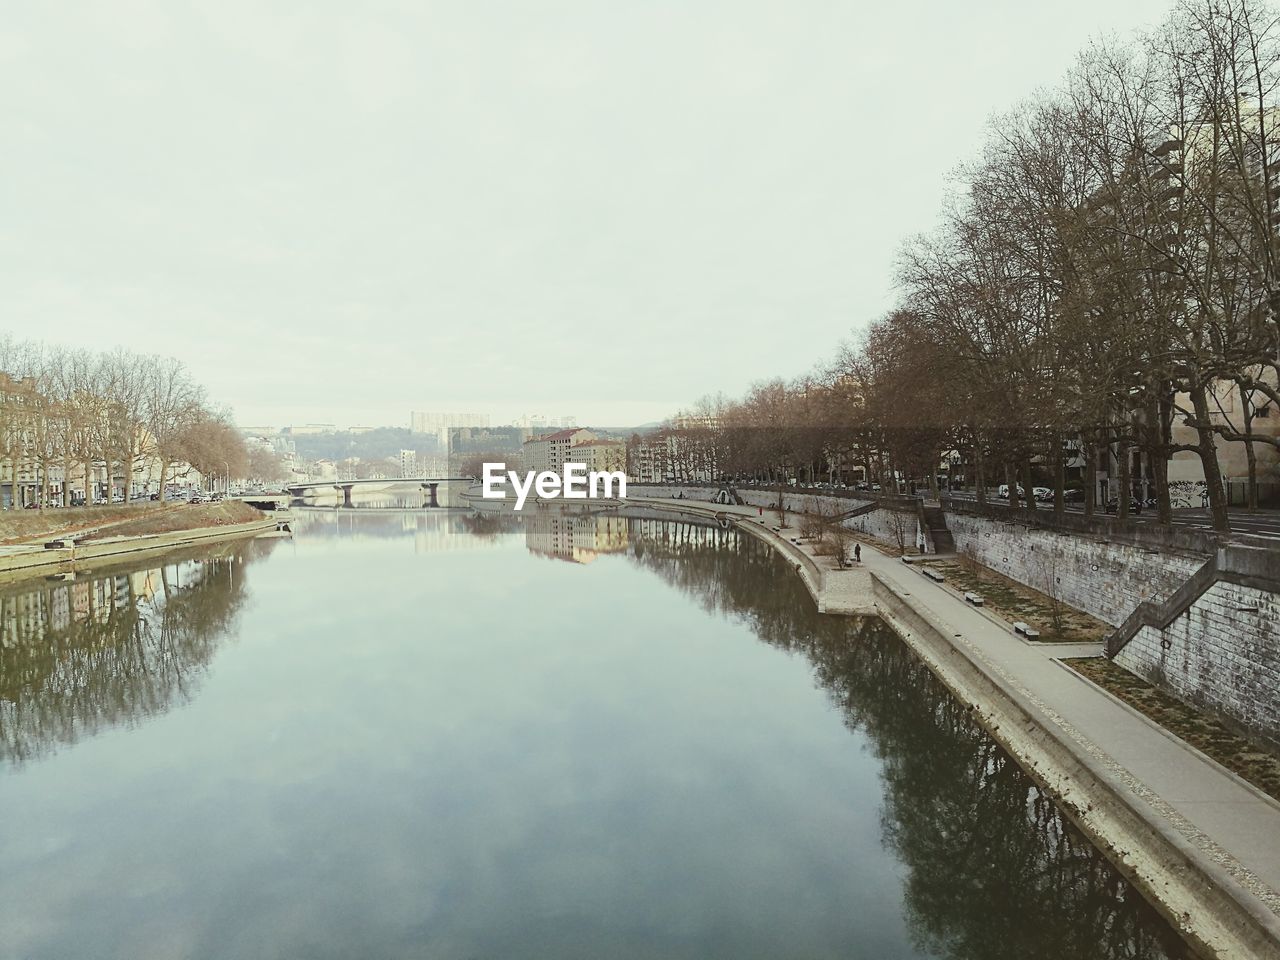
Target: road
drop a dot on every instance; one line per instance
(1264, 523)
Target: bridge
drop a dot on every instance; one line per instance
(430, 484)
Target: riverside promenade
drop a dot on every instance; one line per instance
(1200, 842)
(21, 560)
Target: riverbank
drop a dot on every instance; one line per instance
(19, 527)
(57, 541)
(1202, 845)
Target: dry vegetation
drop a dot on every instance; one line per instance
(182, 517)
(25, 526)
(1011, 600)
(1207, 734)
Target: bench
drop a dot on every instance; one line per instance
(934, 575)
(1025, 629)
(974, 598)
(912, 558)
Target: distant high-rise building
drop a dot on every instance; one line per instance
(408, 463)
(428, 421)
(536, 421)
(310, 429)
(438, 423)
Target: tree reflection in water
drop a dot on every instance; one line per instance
(993, 870)
(110, 647)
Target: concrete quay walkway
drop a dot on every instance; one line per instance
(18, 561)
(1216, 837)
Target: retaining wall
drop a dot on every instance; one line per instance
(879, 522)
(1221, 652)
(1107, 580)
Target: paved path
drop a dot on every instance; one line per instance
(1212, 808)
(1236, 825)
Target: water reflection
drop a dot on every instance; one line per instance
(476, 754)
(395, 495)
(993, 869)
(580, 538)
(112, 647)
(430, 530)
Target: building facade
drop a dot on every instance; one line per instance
(551, 451)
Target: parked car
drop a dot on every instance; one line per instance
(1003, 491)
(1073, 496)
(1113, 505)
(1043, 494)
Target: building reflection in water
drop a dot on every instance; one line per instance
(984, 849)
(576, 537)
(109, 648)
(431, 530)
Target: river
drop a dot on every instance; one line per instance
(429, 735)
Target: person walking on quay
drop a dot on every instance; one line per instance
(857, 553)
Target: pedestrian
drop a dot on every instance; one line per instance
(857, 553)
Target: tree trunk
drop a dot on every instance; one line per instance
(1160, 461)
(980, 474)
(1122, 462)
(1251, 457)
(1090, 478)
(1028, 487)
(1011, 479)
(1059, 477)
(1209, 460)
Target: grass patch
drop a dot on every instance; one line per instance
(1207, 734)
(21, 526)
(95, 523)
(181, 516)
(1015, 601)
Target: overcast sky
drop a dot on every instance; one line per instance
(338, 211)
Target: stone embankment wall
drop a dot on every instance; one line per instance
(887, 525)
(1221, 653)
(1105, 579)
(881, 523)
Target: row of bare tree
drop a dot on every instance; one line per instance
(72, 412)
(1103, 283)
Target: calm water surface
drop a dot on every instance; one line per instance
(431, 736)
